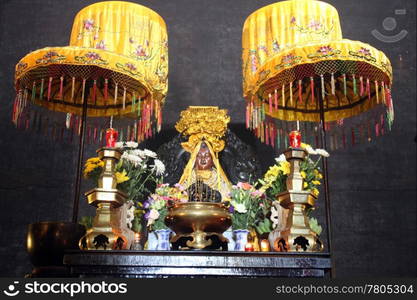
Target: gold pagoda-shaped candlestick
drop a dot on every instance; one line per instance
(297, 235)
(103, 235)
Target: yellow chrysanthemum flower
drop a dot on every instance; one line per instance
(318, 174)
(303, 174)
(315, 192)
(316, 182)
(121, 176)
(93, 160)
(305, 185)
(285, 167)
(304, 146)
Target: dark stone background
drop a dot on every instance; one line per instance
(373, 185)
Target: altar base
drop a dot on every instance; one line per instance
(162, 264)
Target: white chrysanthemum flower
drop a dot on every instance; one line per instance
(131, 144)
(124, 156)
(241, 208)
(150, 222)
(322, 152)
(149, 153)
(130, 216)
(134, 159)
(138, 152)
(153, 214)
(281, 158)
(119, 145)
(310, 150)
(159, 167)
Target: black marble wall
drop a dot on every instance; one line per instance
(373, 185)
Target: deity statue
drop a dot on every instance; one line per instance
(203, 176)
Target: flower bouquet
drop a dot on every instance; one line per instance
(245, 205)
(137, 174)
(156, 209)
(274, 180)
(248, 208)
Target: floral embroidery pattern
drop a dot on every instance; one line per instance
(323, 52)
(263, 48)
(91, 31)
(363, 53)
(129, 68)
(288, 61)
(162, 75)
(101, 45)
(313, 27)
(254, 61)
(91, 58)
(275, 46)
(88, 24)
(262, 76)
(21, 66)
(50, 57)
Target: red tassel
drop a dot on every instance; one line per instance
(270, 103)
(361, 86)
(93, 96)
(388, 97)
(382, 124)
(95, 134)
(14, 113)
(266, 134)
(61, 88)
(300, 92)
(106, 90)
(368, 89)
(276, 99)
(49, 88)
(312, 89)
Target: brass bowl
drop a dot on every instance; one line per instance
(47, 241)
(198, 221)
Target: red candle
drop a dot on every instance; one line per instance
(295, 139)
(248, 247)
(111, 137)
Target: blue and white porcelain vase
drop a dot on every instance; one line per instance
(241, 239)
(163, 236)
(229, 235)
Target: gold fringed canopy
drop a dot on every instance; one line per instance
(118, 50)
(294, 53)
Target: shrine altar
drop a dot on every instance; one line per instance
(191, 264)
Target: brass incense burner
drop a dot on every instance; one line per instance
(297, 235)
(104, 235)
(198, 225)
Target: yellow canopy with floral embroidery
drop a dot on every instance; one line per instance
(118, 50)
(294, 54)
